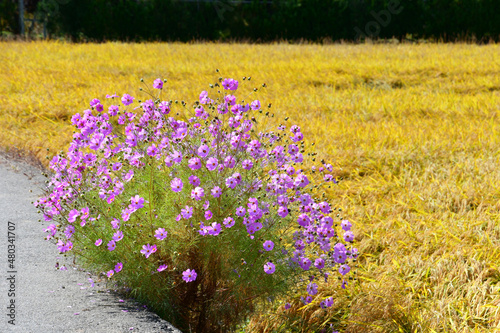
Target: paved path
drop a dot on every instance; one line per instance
(49, 300)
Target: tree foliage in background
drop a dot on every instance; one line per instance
(261, 20)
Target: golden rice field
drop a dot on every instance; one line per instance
(414, 130)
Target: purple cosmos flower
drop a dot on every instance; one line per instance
(240, 211)
(113, 110)
(319, 263)
(158, 84)
(231, 182)
(98, 242)
(161, 268)
(206, 204)
(111, 245)
(176, 184)
(118, 267)
(208, 215)
(126, 213)
(229, 162)
(127, 99)
(344, 269)
(129, 175)
(110, 273)
(230, 99)
(147, 250)
(152, 150)
(348, 236)
(161, 234)
(297, 137)
(203, 150)
(212, 163)
(339, 257)
(84, 213)
(189, 275)
(228, 222)
(247, 164)
(305, 263)
(194, 163)
(176, 157)
(216, 191)
(255, 105)
(94, 102)
(193, 180)
(115, 223)
(137, 202)
(269, 268)
(70, 230)
(187, 212)
(312, 288)
(282, 211)
(197, 193)
(118, 236)
(346, 225)
(301, 181)
(215, 229)
(230, 84)
(268, 245)
(73, 214)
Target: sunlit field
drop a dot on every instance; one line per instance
(412, 130)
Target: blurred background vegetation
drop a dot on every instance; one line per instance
(254, 20)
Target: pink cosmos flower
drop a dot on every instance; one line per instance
(161, 268)
(98, 242)
(110, 273)
(189, 275)
(118, 267)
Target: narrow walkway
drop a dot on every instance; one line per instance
(49, 300)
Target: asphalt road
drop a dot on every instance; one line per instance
(46, 299)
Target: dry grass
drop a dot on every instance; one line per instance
(413, 129)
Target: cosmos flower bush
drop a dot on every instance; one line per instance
(201, 212)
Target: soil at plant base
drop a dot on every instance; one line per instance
(46, 299)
